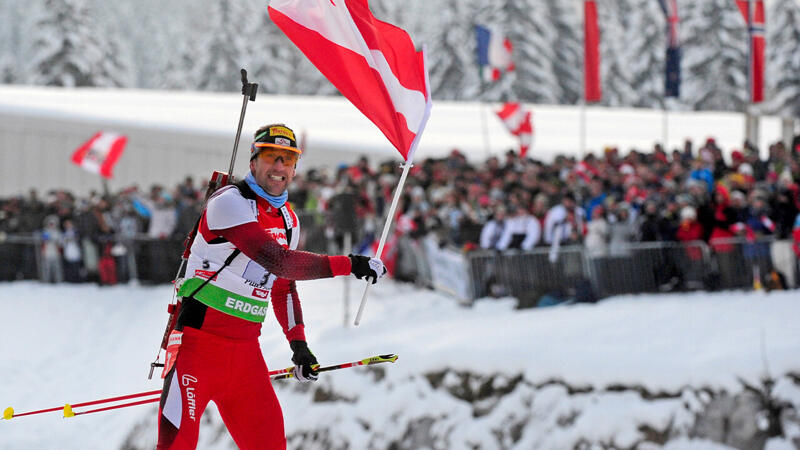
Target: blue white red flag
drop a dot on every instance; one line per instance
(494, 53)
(672, 72)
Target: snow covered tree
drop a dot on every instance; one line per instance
(645, 44)
(614, 18)
(71, 49)
(533, 35)
(714, 63)
(451, 58)
(224, 52)
(783, 57)
(567, 49)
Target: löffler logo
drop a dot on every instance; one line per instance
(187, 379)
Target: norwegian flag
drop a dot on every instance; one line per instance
(672, 71)
(100, 153)
(757, 46)
(494, 53)
(372, 63)
(591, 55)
(518, 121)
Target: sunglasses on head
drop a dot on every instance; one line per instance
(271, 153)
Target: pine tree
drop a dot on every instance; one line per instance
(646, 43)
(567, 49)
(451, 50)
(224, 53)
(614, 17)
(68, 50)
(533, 35)
(714, 63)
(783, 57)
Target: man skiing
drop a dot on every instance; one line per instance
(244, 253)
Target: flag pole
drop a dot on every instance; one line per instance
(582, 119)
(399, 189)
(485, 130)
(749, 104)
(388, 224)
(665, 128)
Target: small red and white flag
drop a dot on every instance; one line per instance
(518, 121)
(372, 63)
(100, 153)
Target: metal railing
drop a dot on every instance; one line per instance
(635, 267)
(578, 273)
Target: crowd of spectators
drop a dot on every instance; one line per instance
(601, 201)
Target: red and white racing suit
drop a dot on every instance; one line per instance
(219, 357)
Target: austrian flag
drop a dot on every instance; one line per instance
(372, 63)
(100, 153)
(518, 121)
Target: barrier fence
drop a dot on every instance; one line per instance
(574, 272)
(637, 267)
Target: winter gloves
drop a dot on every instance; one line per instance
(364, 266)
(306, 364)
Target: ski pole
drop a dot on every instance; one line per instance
(364, 362)
(277, 374)
(218, 179)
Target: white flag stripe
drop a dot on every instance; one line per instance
(98, 152)
(335, 24)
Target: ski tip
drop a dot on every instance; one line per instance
(68, 411)
(8, 413)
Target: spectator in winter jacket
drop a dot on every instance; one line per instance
(689, 231)
(52, 241)
(521, 230)
(493, 230)
(623, 230)
(597, 233)
(564, 222)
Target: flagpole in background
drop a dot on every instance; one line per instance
(749, 104)
(484, 122)
(592, 90)
(582, 115)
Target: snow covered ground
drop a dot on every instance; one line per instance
(68, 344)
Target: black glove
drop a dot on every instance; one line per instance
(305, 362)
(364, 266)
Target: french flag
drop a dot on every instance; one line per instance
(100, 153)
(373, 64)
(494, 53)
(518, 122)
(755, 27)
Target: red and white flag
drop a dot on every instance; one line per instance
(518, 121)
(372, 63)
(755, 28)
(591, 55)
(100, 153)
